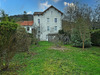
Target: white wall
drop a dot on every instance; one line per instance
(30, 28)
(51, 23)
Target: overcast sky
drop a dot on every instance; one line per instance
(14, 7)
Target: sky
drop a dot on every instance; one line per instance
(15, 7)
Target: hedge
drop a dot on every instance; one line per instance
(95, 37)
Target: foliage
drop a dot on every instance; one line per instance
(25, 17)
(57, 40)
(77, 41)
(7, 42)
(13, 38)
(81, 34)
(34, 40)
(95, 37)
(61, 32)
(45, 61)
(23, 39)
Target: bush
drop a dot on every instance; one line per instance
(23, 39)
(76, 39)
(13, 38)
(57, 40)
(95, 37)
(7, 43)
(61, 32)
(34, 40)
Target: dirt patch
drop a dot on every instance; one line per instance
(59, 48)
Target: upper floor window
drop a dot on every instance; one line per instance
(47, 19)
(48, 28)
(55, 28)
(28, 28)
(38, 21)
(55, 19)
(51, 12)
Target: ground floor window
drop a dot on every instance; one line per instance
(28, 28)
(46, 36)
(55, 28)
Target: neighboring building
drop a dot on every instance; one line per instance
(28, 25)
(47, 22)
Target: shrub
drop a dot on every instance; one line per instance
(76, 39)
(13, 38)
(23, 39)
(57, 40)
(95, 37)
(7, 43)
(34, 40)
(61, 32)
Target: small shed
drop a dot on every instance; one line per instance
(51, 37)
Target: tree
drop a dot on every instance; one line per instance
(82, 32)
(25, 17)
(79, 20)
(4, 16)
(96, 16)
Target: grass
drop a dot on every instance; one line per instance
(44, 61)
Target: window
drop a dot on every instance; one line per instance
(47, 19)
(28, 28)
(38, 36)
(55, 19)
(55, 28)
(48, 28)
(46, 36)
(38, 31)
(51, 12)
(38, 21)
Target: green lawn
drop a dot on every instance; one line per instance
(44, 61)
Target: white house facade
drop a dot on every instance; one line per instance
(47, 22)
(28, 25)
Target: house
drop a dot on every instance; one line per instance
(47, 22)
(28, 25)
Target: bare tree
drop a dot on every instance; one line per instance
(79, 17)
